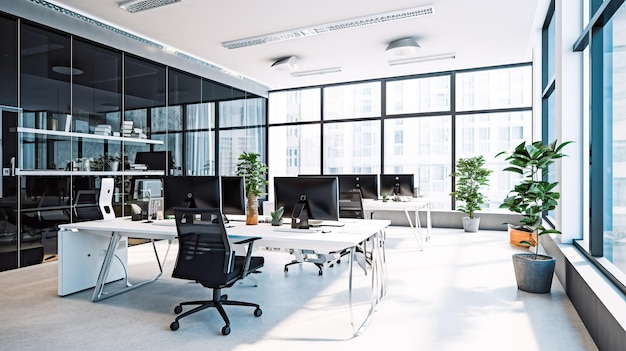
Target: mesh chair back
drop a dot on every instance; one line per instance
(83, 209)
(205, 253)
(351, 204)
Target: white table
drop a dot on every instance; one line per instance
(415, 204)
(74, 276)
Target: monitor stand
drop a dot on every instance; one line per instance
(300, 216)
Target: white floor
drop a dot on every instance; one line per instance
(458, 293)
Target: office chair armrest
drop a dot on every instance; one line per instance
(247, 240)
(246, 265)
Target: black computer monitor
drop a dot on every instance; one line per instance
(190, 191)
(155, 160)
(366, 183)
(233, 195)
(322, 195)
(397, 184)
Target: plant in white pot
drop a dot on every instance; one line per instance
(531, 198)
(252, 168)
(470, 176)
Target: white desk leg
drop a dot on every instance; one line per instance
(99, 293)
(379, 279)
(415, 228)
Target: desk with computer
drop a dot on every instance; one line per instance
(95, 253)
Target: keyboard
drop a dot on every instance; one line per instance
(296, 230)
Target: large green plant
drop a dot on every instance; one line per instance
(533, 195)
(252, 168)
(470, 176)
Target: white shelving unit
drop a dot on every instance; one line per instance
(24, 131)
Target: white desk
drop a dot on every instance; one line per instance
(416, 204)
(76, 277)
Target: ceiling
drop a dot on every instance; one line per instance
(479, 33)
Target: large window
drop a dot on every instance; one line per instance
(602, 44)
(614, 123)
(404, 125)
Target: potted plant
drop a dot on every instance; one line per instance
(470, 176)
(277, 216)
(106, 162)
(253, 170)
(532, 197)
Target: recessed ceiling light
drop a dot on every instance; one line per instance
(331, 27)
(316, 72)
(142, 5)
(285, 64)
(420, 59)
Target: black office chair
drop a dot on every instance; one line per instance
(351, 206)
(86, 206)
(205, 255)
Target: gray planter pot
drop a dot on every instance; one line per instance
(471, 224)
(534, 275)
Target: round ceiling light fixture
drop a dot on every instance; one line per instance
(285, 64)
(403, 47)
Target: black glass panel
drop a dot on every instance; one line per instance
(8, 61)
(144, 83)
(183, 88)
(46, 71)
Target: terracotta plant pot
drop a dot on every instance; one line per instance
(516, 237)
(252, 210)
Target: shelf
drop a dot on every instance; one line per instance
(49, 172)
(88, 136)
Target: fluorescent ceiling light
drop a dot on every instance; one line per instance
(331, 27)
(403, 47)
(142, 5)
(285, 64)
(316, 72)
(420, 59)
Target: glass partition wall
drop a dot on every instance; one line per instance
(86, 111)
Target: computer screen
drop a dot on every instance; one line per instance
(233, 195)
(322, 195)
(190, 191)
(366, 183)
(397, 184)
(155, 160)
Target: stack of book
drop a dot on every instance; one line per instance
(102, 129)
(138, 166)
(138, 133)
(127, 128)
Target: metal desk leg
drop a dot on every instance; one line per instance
(415, 228)
(379, 280)
(99, 293)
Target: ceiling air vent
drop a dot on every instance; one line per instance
(142, 5)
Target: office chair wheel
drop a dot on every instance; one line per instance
(338, 261)
(286, 269)
(320, 273)
(226, 330)
(224, 297)
(258, 312)
(178, 309)
(175, 325)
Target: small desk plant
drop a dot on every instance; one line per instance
(470, 176)
(277, 216)
(531, 198)
(252, 168)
